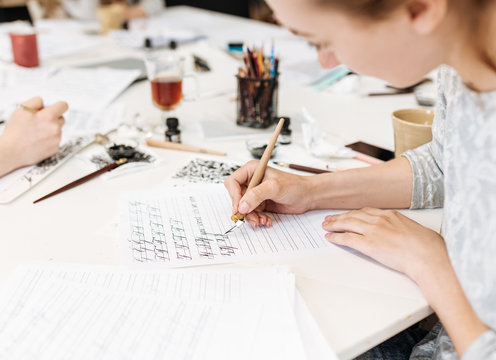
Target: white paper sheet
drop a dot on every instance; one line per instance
(58, 320)
(52, 45)
(88, 90)
(13, 76)
(225, 286)
(38, 288)
(316, 346)
(78, 123)
(185, 226)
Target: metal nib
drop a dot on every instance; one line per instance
(237, 225)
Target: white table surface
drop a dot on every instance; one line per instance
(79, 225)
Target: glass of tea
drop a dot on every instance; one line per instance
(166, 74)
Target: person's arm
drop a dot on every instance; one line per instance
(29, 138)
(388, 185)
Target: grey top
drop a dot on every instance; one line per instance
(458, 170)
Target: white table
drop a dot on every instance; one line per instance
(79, 225)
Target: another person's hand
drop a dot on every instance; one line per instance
(279, 192)
(390, 238)
(29, 138)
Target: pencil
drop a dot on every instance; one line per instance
(26, 108)
(181, 147)
(262, 165)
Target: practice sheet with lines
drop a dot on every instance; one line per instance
(60, 311)
(185, 226)
(62, 320)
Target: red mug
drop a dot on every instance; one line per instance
(25, 49)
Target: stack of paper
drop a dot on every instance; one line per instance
(56, 311)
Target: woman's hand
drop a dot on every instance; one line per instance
(404, 245)
(278, 192)
(390, 238)
(29, 138)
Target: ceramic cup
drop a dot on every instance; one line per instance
(412, 128)
(25, 49)
(111, 17)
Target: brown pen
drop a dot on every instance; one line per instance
(303, 168)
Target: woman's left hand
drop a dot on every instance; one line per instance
(390, 238)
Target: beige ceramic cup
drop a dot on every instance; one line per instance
(111, 17)
(412, 128)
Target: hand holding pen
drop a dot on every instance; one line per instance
(279, 192)
(32, 134)
(255, 187)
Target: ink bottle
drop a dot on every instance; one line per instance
(285, 135)
(173, 134)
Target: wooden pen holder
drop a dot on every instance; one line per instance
(257, 101)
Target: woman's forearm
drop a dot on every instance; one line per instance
(387, 185)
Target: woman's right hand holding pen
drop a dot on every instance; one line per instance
(278, 192)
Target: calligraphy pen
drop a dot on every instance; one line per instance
(239, 219)
(84, 179)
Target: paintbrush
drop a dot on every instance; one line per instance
(83, 179)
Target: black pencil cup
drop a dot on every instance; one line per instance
(257, 101)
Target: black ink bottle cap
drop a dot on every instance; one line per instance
(172, 123)
(148, 43)
(285, 135)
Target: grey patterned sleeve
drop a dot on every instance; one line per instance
(482, 348)
(428, 179)
(426, 160)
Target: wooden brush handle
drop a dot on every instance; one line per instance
(176, 146)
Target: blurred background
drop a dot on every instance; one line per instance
(11, 10)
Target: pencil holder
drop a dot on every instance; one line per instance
(257, 101)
